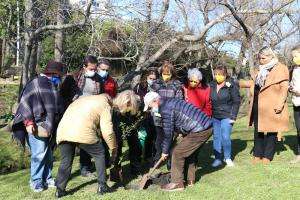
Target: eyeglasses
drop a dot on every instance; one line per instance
(191, 81)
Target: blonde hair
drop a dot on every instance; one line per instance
(127, 100)
(267, 51)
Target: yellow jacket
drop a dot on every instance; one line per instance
(85, 120)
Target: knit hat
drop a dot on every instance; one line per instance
(54, 67)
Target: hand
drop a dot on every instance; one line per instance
(31, 129)
(114, 154)
(164, 156)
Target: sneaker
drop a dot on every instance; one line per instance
(38, 187)
(50, 183)
(229, 162)
(216, 163)
(296, 160)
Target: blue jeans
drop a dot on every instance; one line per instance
(41, 160)
(221, 138)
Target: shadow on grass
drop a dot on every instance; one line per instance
(206, 157)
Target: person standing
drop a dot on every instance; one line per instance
(295, 91)
(225, 97)
(167, 86)
(268, 106)
(109, 85)
(38, 113)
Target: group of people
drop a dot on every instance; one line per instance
(84, 110)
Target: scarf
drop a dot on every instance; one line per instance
(264, 71)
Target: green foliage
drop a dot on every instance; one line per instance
(8, 97)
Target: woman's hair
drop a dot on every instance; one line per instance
(195, 72)
(296, 48)
(222, 69)
(267, 51)
(104, 61)
(90, 59)
(145, 74)
(127, 100)
(167, 67)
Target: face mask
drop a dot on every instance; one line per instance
(56, 80)
(220, 78)
(193, 84)
(89, 73)
(155, 110)
(166, 77)
(103, 73)
(150, 82)
(296, 60)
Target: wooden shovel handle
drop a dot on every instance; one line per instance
(155, 166)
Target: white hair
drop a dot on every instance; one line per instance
(194, 72)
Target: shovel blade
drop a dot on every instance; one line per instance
(143, 182)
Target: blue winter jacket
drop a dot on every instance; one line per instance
(180, 116)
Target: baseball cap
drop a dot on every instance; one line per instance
(149, 97)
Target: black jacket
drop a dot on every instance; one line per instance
(225, 103)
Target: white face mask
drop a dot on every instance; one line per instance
(89, 73)
(150, 82)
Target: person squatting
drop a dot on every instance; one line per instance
(171, 121)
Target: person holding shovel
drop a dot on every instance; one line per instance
(180, 116)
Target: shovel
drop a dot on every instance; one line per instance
(146, 177)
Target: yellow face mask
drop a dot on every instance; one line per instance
(166, 77)
(220, 78)
(193, 83)
(296, 60)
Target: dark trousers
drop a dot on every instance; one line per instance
(67, 152)
(135, 151)
(183, 150)
(150, 139)
(85, 161)
(158, 143)
(297, 123)
(264, 145)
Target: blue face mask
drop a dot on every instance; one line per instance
(56, 80)
(103, 73)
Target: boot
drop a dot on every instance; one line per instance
(103, 188)
(60, 193)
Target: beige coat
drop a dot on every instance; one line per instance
(273, 95)
(86, 119)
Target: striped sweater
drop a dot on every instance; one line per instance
(180, 116)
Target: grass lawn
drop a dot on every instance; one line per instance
(279, 180)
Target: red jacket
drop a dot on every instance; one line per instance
(110, 87)
(199, 97)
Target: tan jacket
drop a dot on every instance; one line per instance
(273, 95)
(84, 119)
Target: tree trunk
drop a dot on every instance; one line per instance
(33, 61)
(3, 53)
(59, 36)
